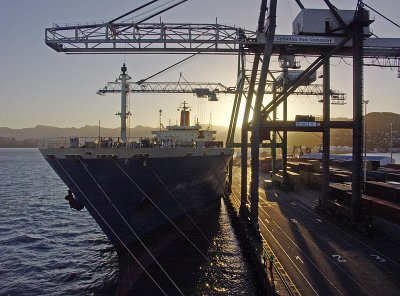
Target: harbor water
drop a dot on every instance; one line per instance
(46, 248)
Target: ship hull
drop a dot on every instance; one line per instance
(130, 192)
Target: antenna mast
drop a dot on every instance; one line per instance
(124, 78)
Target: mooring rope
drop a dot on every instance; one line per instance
(109, 226)
(161, 211)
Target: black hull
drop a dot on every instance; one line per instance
(129, 197)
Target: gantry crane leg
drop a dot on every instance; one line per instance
(326, 133)
(255, 131)
(357, 114)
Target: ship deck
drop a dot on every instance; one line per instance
(122, 152)
(318, 254)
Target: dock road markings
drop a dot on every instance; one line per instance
(298, 258)
(339, 258)
(378, 258)
(270, 203)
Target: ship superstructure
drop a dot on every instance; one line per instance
(186, 135)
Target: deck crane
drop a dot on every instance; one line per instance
(341, 37)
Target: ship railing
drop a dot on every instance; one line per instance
(94, 142)
(115, 142)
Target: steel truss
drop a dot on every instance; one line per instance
(206, 88)
(184, 87)
(197, 38)
(147, 37)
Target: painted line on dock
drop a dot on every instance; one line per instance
(362, 269)
(339, 258)
(344, 232)
(305, 255)
(375, 257)
(298, 258)
(287, 255)
(353, 238)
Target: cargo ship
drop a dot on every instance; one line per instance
(132, 187)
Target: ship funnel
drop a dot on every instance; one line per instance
(185, 118)
(185, 114)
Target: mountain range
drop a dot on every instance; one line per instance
(378, 133)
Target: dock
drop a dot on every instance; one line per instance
(313, 253)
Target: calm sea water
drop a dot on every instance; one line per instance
(48, 249)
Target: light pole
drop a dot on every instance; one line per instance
(365, 140)
(391, 141)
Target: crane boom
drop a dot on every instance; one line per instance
(211, 89)
(197, 38)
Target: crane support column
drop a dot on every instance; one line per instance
(255, 132)
(284, 140)
(273, 144)
(235, 113)
(326, 138)
(245, 129)
(249, 100)
(357, 113)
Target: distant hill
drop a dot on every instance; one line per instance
(43, 131)
(30, 137)
(378, 133)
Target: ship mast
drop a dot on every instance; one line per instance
(124, 77)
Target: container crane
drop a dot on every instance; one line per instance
(343, 37)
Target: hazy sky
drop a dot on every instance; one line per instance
(41, 86)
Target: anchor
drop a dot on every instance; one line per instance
(73, 203)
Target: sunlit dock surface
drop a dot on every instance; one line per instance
(318, 254)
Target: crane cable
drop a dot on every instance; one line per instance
(161, 11)
(149, 17)
(149, 11)
(180, 205)
(159, 209)
(130, 227)
(141, 81)
(109, 226)
(145, 5)
(133, 10)
(374, 10)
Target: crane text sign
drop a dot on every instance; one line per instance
(307, 124)
(298, 39)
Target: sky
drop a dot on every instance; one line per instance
(39, 86)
